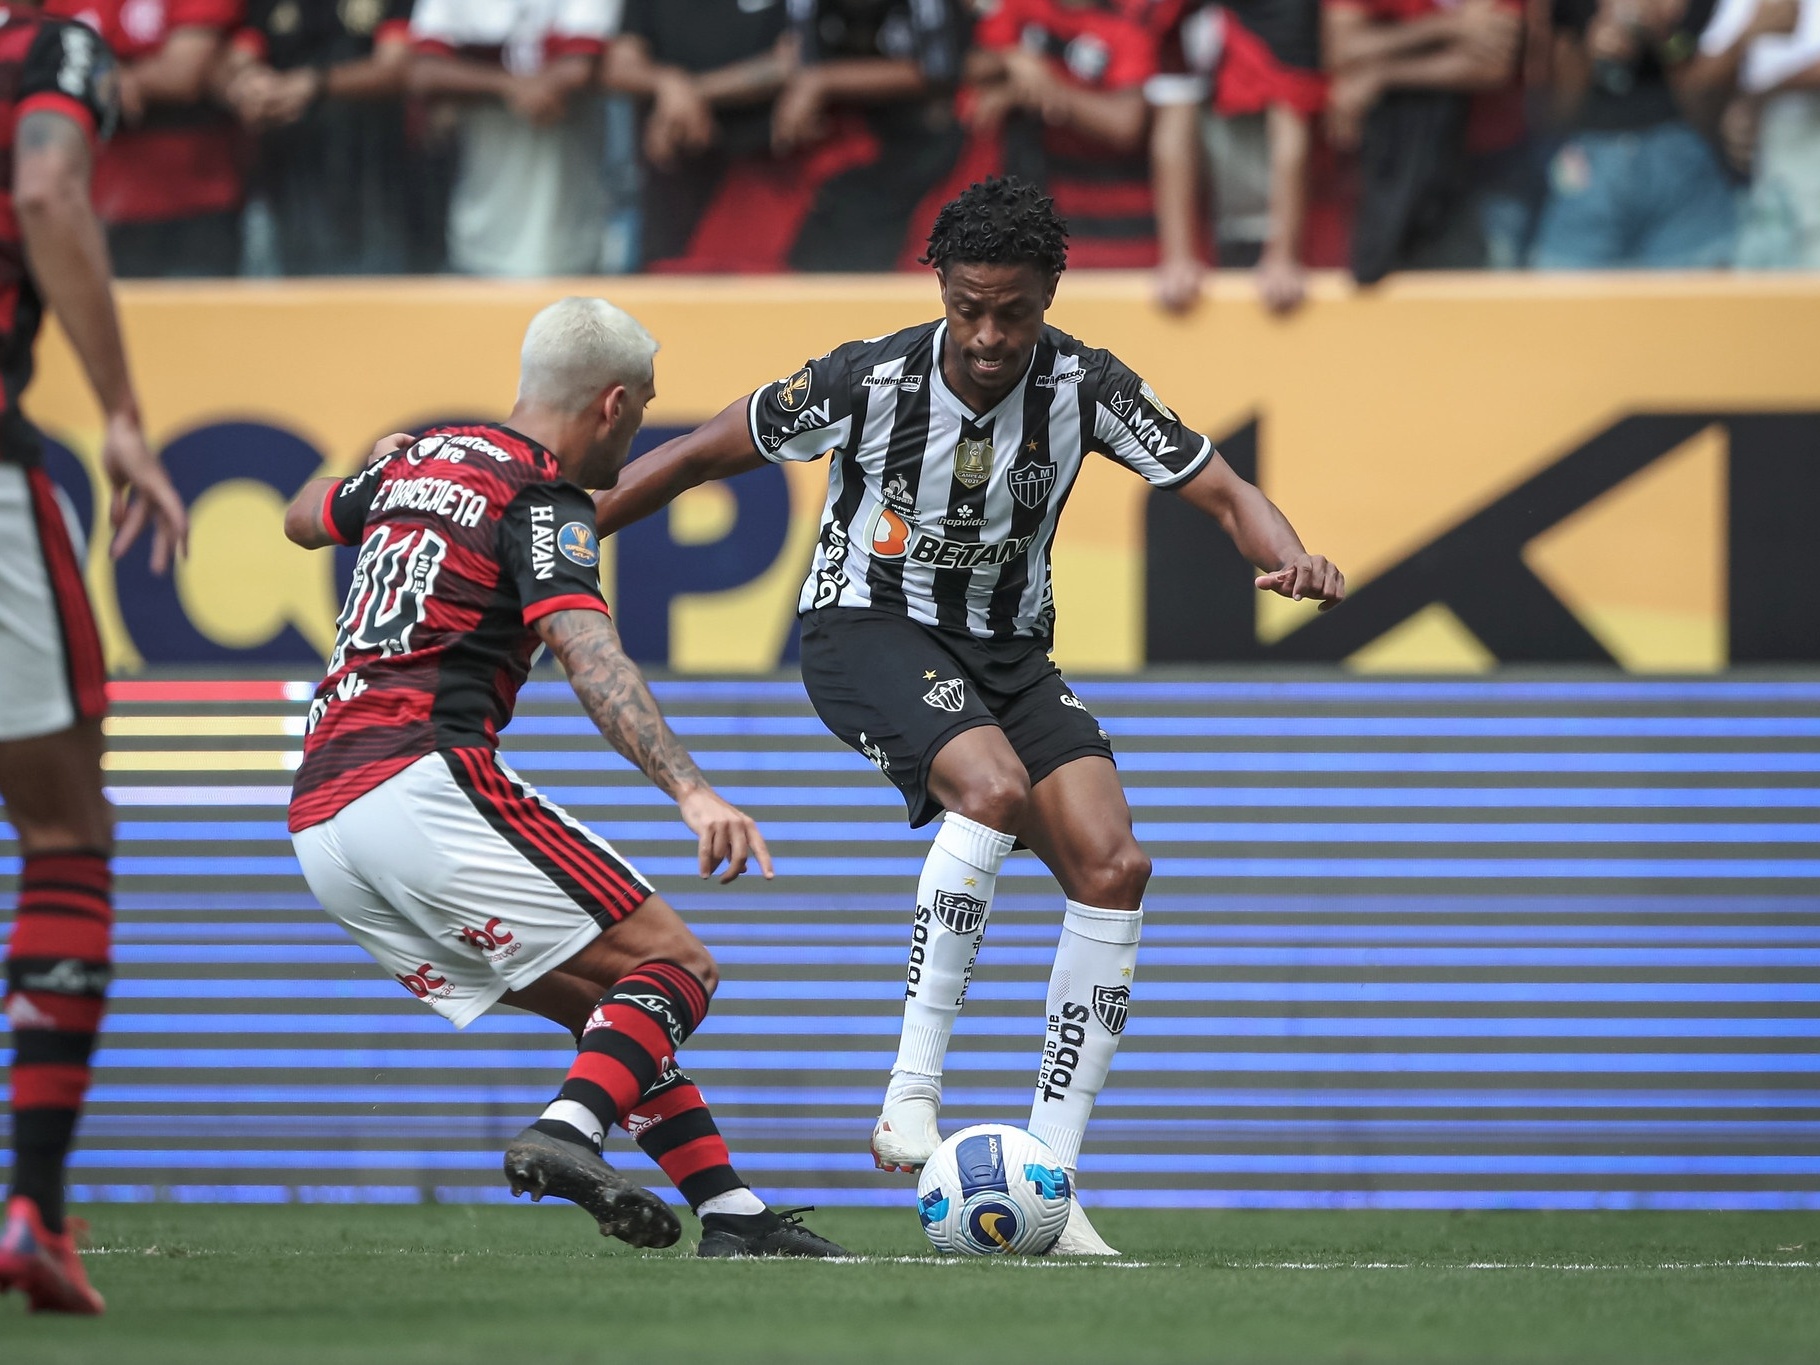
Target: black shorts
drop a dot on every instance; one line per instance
(897, 691)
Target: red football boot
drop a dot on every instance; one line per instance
(43, 1265)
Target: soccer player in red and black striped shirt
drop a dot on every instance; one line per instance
(477, 546)
(56, 97)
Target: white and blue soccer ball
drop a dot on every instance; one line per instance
(993, 1190)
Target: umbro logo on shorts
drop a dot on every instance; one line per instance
(947, 696)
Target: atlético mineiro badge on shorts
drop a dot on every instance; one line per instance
(972, 462)
(962, 914)
(1112, 1004)
(950, 695)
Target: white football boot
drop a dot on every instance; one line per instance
(1078, 1237)
(905, 1136)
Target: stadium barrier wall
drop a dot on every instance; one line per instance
(1511, 469)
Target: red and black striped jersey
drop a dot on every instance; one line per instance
(466, 538)
(46, 65)
(1102, 190)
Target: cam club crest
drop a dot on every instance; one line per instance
(962, 914)
(1030, 483)
(949, 695)
(972, 462)
(1111, 1004)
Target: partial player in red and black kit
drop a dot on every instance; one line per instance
(1064, 80)
(56, 97)
(477, 546)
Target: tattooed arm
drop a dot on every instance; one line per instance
(615, 696)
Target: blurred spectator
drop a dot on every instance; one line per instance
(529, 196)
(707, 71)
(1061, 92)
(321, 82)
(1259, 61)
(1634, 184)
(168, 184)
(1425, 91)
(1763, 56)
(875, 89)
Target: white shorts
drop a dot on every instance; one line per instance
(463, 882)
(51, 669)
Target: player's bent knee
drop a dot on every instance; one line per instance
(1117, 881)
(694, 958)
(997, 800)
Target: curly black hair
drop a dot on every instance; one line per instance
(999, 221)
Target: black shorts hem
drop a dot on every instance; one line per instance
(1067, 756)
(928, 807)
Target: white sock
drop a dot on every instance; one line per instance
(579, 1117)
(953, 901)
(733, 1201)
(1089, 991)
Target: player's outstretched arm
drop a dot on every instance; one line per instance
(615, 696)
(306, 520)
(717, 449)
(68, 255)
(1264, 536)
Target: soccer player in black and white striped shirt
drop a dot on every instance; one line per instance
(928, 617)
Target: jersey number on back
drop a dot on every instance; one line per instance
(393, 579)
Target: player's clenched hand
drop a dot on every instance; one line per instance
(388, 445)
(141, 492)
(727, 835)
(1307, 576)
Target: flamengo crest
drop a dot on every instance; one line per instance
(962, 914)
(1111, 1004)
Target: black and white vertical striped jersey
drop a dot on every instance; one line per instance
(945, 515)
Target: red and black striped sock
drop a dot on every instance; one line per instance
(673, 1125)
(57, 970)
(631, 1039)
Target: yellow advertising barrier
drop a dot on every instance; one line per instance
(1509, 468)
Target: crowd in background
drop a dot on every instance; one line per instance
(558, 137)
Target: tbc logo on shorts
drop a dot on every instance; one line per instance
(578, 544)
(947, 696)
(961, 913)
(496, 941)
(793, 392)
(1112, 1004)
(424, 982)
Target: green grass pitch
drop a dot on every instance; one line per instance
(270, 1286)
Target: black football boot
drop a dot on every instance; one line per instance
(771, 1233)
(546, 1165)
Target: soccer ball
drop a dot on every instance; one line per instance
(993, 1190)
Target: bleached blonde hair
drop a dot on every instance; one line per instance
(577, 347)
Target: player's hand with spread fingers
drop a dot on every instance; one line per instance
(726, 834)
(141, 492)
(1307, 575)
